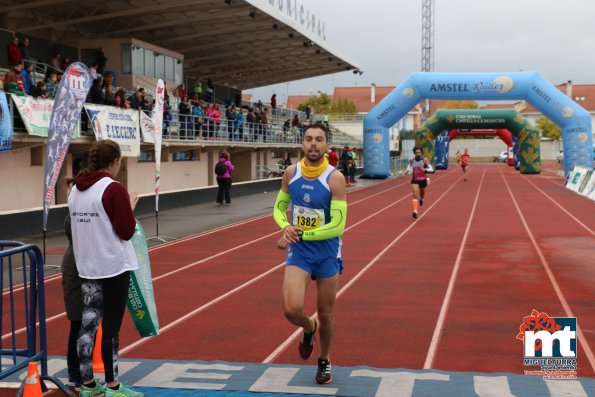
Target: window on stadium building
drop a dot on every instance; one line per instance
(159, 66)
(144, 62)
(149, 63)
(138, 60)
(126, 59)
(169, 68)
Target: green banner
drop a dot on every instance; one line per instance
(141, 301)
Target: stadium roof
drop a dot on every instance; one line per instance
(239, 43)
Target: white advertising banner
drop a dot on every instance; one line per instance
(147, 128)
(35, 113)
(120, 125)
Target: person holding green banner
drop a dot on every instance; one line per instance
(103, 223)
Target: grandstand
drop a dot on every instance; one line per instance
(227, 45)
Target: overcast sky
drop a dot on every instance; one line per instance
(383, 38)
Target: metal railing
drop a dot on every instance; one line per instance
(23, 289)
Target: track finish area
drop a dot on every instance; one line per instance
(426, 307)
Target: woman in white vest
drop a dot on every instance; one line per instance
(102, 226)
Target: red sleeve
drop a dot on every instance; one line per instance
(116, 202)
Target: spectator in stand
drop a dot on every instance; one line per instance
(96, 95)
(238, 125)
(295, 122)
(24, 48)
(259, 106)
(274, 105)
(308, 112)
(333, 159)
(27, 77)
(198, 89)
(286, 126)
(166, 112)
(13, 78)
(101, 61)
(65, 64)
(251, 120)
(217, 118)
(209, 115)
(136, 100)
(144, 101)
(264, 121)
(109, 98)
(230, 115)
(39, 90)
(197, 115)
(13, 51)
(183, 114)
(121, 98)
(57, 62)
(181, 91)
(51, 84)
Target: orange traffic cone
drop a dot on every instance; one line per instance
(32, 382)
(97, 358)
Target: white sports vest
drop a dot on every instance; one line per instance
(98, 251)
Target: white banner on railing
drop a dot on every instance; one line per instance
(35, 113)
(120, 125)
(147, 128)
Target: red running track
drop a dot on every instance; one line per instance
(446, 291)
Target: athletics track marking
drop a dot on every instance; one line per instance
(550, 275)
(451, 283)
(63, 314)
(249, 282)
(297, 332)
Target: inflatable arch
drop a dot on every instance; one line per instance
(499, 119)
(531, 86)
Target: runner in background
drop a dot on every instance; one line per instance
(465, 161)
(315, 190)
(419, 166)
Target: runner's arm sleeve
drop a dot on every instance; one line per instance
(280, 210)
(429, 168)
(332, 229)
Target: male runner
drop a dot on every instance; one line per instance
(315, 191)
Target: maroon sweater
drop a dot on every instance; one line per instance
(115, 200)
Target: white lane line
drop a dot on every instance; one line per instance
(559, 206)
(298, 331)
(550, 274)
(451, 284)
(165, 328)
(60, 315)
(216, 230)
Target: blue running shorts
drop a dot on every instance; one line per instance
(317, 267)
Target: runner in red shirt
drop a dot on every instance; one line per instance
(465, 161)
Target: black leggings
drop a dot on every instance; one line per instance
(224, 190)
(104, 300)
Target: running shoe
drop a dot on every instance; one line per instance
(98, 390)
(323, 374)
(307, 342)
(421, 202)
(123, 391)
(414, 214)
